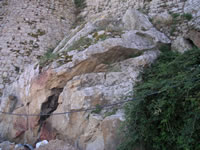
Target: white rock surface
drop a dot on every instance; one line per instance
(124, 41)
(181, 45)
(41, 143)
(135, 20)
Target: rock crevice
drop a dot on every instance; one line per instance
(98, 63)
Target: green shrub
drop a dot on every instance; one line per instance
(175, 15)
(111, 112)
(97, 110)
(80, 3)
(47, 58)
(187, 16)
(169, 119)
(172, 30)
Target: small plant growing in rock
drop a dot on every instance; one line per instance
(100, 37)
(47, 58)
(98, 109)
(80, 4)
(175, 15)
(187, 16)
(175, 18)
(82, 43)
(173, 29)
(109, 113)
(64, 58)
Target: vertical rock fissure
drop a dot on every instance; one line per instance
(50, 105)
(47, 108)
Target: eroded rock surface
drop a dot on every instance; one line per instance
(96, 64)
(194, 36)
(181, 45)
(102, 72)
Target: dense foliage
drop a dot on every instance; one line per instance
(169, 119)
(79, 3)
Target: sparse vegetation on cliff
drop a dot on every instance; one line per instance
(169, 119)
(81, 44)
(80, 4)
(48, 57)
(187, 16)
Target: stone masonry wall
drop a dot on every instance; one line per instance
(28, 28)
(163, 9)
(97, 8)
(152, 7)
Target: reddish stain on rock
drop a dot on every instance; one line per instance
(33, 122)
(20, 125)
(43, 77)
(47, 132)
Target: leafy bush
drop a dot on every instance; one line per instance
(169, 119)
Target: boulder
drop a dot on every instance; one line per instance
(145, 39)
(181, 45)
(194, 36)
(6, 145)
(110, 129)
(135, 20)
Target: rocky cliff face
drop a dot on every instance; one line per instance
(96, 64)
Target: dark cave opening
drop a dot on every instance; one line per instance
(50, 105)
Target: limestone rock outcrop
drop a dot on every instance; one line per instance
(75, 91)
(100, 71)
(134, 20)
(194, 36)
(181, 45)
